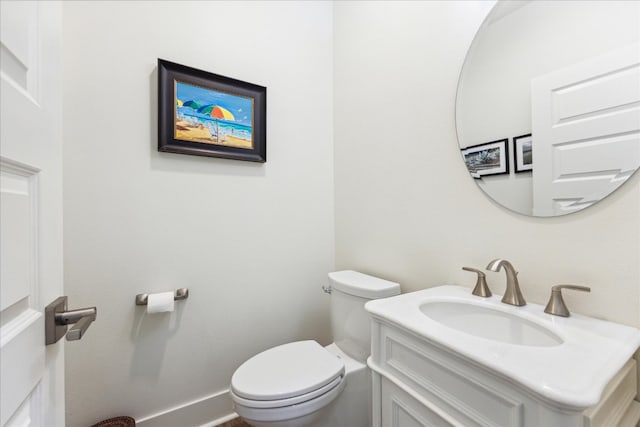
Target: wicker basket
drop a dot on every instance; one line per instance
(117, 422)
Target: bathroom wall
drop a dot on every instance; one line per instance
(252, 242)
(406, 208)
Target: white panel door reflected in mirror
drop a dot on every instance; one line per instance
(560, 81)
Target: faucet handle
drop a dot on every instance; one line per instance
(556, 305)
(481, 289)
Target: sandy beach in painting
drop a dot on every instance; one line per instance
(188, 131)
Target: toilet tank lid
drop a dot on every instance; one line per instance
(362, 285)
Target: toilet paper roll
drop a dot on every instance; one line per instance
(160, 302)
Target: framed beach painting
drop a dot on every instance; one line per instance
(205, 114)
(523, 153)
(490, 158)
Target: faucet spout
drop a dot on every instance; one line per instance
(512, 294)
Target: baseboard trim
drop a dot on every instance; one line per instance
(208, 411)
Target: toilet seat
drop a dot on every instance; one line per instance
(286, 375)
(278, 403)
(282, 414)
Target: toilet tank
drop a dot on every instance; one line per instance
(350, 324)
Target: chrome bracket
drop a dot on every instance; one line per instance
(52, 330)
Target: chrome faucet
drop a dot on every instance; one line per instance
(512, 294)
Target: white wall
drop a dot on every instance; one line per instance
(406, 208)
(252, 242)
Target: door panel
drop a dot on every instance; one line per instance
(18, 218)
(31, 375)
(586, 130)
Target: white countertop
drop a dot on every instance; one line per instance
(572, 374)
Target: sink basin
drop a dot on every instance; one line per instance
(490, 324)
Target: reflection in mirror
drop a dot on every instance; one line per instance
(560, 82)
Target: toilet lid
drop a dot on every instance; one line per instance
(286, 371)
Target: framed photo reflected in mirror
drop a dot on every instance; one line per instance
(522, 153)
(490, 158)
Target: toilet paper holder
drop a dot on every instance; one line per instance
(182, 293)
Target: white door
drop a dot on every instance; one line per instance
(31, 374)
(586, 131)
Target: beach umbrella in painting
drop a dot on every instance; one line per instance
(217, 112)
(192, 104)
(222, 113)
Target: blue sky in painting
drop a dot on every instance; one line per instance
(240, 107)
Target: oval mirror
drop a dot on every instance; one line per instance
(548, 103)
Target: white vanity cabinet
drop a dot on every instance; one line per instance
(421, 383)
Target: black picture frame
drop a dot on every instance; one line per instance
(523, 153)
(490, 158)
(204, 126)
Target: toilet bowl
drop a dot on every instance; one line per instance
(304, 384)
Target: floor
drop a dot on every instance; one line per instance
(237, 422)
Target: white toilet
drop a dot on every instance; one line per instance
(304, 384)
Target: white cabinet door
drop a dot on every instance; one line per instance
(586, 131)
(31, 374)
(399, 409)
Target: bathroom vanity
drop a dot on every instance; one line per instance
(444, 357)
